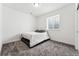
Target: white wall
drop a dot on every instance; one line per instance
(78, 31)
(76, 27)
(0, 27)
(66, 33)
(14, 23)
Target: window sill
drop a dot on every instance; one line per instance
(53, 29)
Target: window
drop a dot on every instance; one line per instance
(53, 22)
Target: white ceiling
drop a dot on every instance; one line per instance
(42, 9)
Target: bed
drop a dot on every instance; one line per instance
(34, 38)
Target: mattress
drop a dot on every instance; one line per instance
(35, 37)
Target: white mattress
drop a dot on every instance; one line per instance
(35, 37)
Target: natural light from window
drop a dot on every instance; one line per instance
(53, 22)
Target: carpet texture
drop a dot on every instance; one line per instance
(48, 48)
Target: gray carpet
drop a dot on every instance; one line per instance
(48, 48)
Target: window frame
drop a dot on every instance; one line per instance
(58, 22)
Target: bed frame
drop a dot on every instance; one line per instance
(27, 42)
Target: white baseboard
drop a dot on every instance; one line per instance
(12, 39)
(77, 47)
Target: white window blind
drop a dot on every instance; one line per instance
(53, 22)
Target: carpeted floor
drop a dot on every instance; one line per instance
(48, 48)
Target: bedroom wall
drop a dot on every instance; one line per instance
(76, 27)
(66, 33)
(14, 23)
(0, 27)
(78, 31)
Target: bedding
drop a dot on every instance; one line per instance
(35, 37)
(40, 31)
